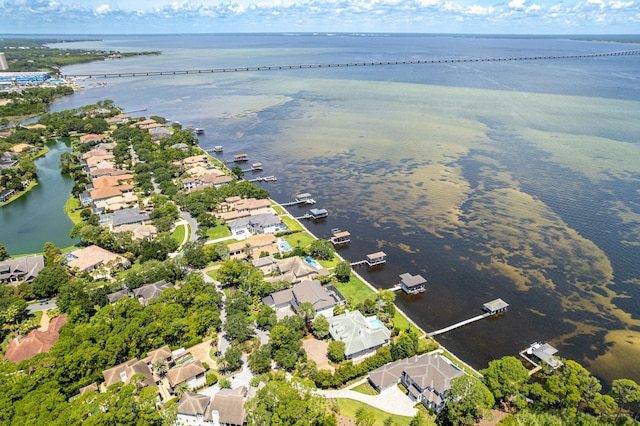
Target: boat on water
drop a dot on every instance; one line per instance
(199, 131)
(218, 148)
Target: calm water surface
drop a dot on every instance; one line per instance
(514, 180)
(38, 216)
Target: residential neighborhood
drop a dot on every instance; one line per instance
(192, 298)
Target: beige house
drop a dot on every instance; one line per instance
(94, 258)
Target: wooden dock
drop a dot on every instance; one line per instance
(373, 259)
(300, 199)
(255, 167)
(492, 308)
(459, 324)
(263, 179)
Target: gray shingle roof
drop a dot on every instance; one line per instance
(129, 216)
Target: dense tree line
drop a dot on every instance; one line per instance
(38, 389)
(31, 101)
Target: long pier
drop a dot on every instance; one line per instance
(459, 324)
(347, 64)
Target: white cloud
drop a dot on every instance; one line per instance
(516, 4)
(103, 9)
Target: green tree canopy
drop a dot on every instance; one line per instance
(506, 379)
(467, 400)
(335, 351)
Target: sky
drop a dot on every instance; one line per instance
(351, 16)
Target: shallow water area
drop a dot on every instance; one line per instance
(512, 180)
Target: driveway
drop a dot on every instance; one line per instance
(391, 400)
(36, 307)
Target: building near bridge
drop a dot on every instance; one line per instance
(24, 77)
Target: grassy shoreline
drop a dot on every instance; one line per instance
(360, 289)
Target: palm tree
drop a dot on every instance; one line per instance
(180, 389)
(160, 366)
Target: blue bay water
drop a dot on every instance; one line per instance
(492, 179)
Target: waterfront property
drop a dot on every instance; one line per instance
(362, 336)
(495, 306)
(5, 194)
(21, 269)
(264, 223)
(318, 213)
(321, 298)
(253, 247)
(240, 158)
(412, 284)
(340, 237)
(373, 259)
(426, 377)
(541, 352)
(295, 270)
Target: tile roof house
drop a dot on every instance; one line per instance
(258, 243)
(21, 269)
(193, 373)
(138, 232)
(427, 378)
(362, 336)
(151, 291)
(125, 371)
(36, 342)
(93, 257)
(107, 181)
(227, 407)
(100, 194)
(192, 408)
(92, 137)
(161, 353)
(294, 270)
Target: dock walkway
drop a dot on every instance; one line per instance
(459, 324)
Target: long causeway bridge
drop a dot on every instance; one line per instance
(348, 64)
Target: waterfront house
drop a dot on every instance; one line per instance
(294, 270)
(495, 306)
(159, 132)
(377, 258)
(318, 213)
(265, 223)
(426, 378)
(321, 298)
(539, 352)
(21, 269)
(111, 181)
(5, 194)
(253, 245)
(96, 152)
(412, 284)
(239, 158)
(362, 336)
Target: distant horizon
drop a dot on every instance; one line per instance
(147, 17)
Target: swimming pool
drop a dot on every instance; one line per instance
(283, 245)
(376, 323)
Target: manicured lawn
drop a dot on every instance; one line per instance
(349, 407)
(356, 291)
(277, 208)
(219, 231)
(179, 233)
(303, 237)
(291, 223)
(366, 389)
(72, 209)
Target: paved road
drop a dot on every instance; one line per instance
(37, 307)
(193, 224)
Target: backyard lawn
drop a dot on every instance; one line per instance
(219, 231)
(301, 239)
(349, 407)
(292, 224)
(72, 209)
